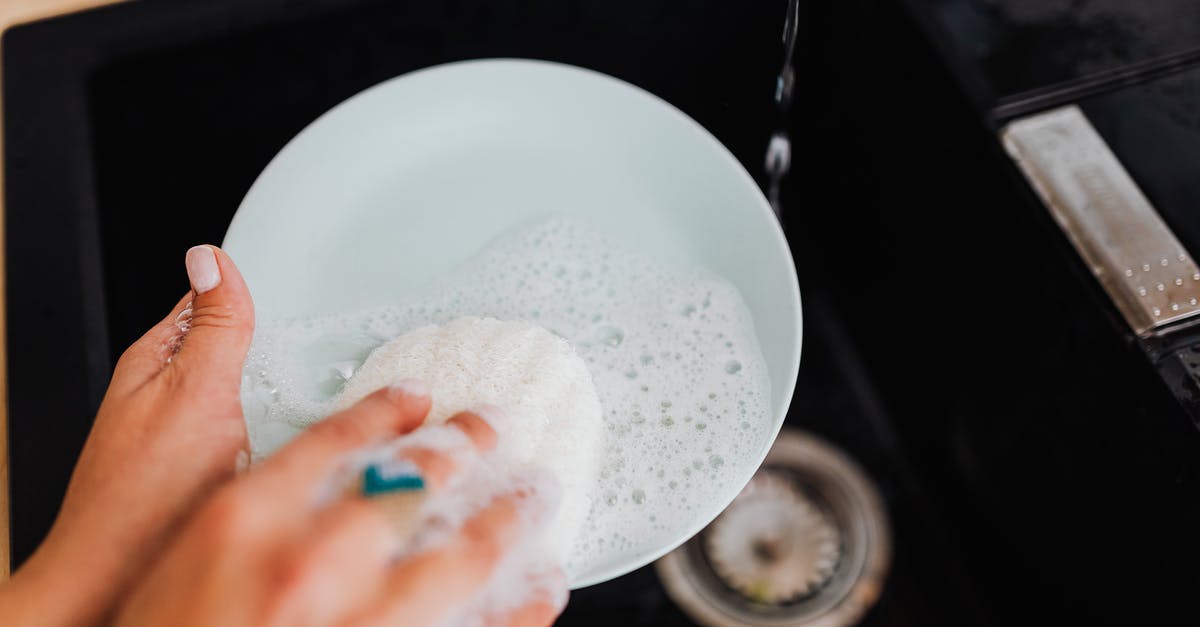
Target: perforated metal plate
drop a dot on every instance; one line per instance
(1151, 278)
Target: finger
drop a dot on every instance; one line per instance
(303, 467)
(536, 614)
(147, 356)
(440, 464)
(222, 324)
(438, 454)
(425, 588)
(546, 601)
(344, 561)
(482, 425)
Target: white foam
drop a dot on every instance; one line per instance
(672, 354)
(529, 570)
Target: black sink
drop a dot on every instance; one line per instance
(1034, 466)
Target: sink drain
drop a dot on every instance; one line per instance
(805, 543)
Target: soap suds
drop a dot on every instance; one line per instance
(533, 376)
(672, 355)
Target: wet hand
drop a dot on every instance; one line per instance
(276, 547)
(169, 431)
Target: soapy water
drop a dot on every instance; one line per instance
(672, 355)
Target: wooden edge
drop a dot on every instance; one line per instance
(13, 12)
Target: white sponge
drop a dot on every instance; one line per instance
(534, 376)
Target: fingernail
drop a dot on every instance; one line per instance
(410, 387)
(202, 268)
(495, 417)
(242, 462)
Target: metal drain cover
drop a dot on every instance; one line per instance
(805, 543)
(773, 544)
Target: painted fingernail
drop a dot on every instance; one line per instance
(242, 462)
(202, 268)
(495, 417)
(409, 387)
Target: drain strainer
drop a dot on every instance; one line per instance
(805, 543)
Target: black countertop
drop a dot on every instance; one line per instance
(1065, 468)
(1154, 128)
(1013, 54)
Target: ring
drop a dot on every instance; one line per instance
(399, 489)
(397, 476)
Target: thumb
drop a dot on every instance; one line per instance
(222, 324)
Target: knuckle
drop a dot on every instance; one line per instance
(482, 550)
(228, 519)
(297, 573)
(221, 316)
(131, 358)
(472, 564)
(175, 379)
(489, 551)
(438, 467)
(129, 355)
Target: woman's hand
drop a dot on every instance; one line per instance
(153, 525)
(169, 431)
(272, 547)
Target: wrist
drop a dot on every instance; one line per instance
(49, 590)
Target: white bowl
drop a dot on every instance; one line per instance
(406, 180)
